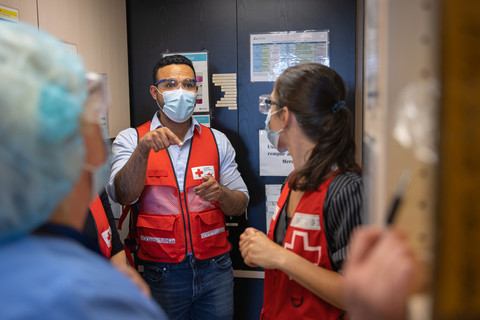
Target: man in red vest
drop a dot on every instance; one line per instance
(185, 177)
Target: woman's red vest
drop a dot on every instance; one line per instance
(172, 224)
(284, 298)
(103, 227)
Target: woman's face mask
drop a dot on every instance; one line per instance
(273, 136)
(179, 104)
(100, 174)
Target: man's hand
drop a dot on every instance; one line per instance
(135, 277)
(231, 202)
(119, 261)
(158, 139)
(210, 189)
(378, 274)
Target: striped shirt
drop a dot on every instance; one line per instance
(342, 212)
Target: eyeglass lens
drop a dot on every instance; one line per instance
(265, 103)
(172, 84)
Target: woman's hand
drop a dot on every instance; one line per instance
(259, 251)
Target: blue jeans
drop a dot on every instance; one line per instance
(193, 289)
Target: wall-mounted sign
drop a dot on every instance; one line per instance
(8, 14)
(271, 53)
(273, 162)
(228, 85)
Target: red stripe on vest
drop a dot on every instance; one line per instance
(103, 227)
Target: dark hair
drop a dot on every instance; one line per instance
(168, 60)
(310, 91)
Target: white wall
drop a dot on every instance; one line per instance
(98, 28)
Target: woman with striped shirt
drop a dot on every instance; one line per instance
(319, 205)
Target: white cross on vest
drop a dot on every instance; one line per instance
(199, 172)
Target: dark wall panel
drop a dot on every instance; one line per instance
(288, 15)
(255, 16)
(155, 27)
(223, 28)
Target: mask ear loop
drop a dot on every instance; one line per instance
(156, 100)
(284, 120)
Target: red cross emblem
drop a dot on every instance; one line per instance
(199, 172)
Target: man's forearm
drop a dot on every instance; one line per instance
(233, 202)
(130, 180)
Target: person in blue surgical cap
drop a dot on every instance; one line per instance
(53, 160)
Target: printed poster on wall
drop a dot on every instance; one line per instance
(273, 162)
(272, 193)
(200, 63)
(272, 53)
(203, 119)
(8, 14)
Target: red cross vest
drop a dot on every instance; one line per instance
(103, 227)
(171, 223)
(284, 298)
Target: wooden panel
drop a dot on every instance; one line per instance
(401, 69)
(98, 29)
(417, 44)
(457, 294)
(400, 58)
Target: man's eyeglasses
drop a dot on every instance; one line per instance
(173, 84)
(265, 103)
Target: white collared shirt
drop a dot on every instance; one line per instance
(126, 142)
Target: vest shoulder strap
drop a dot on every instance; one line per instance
(143, 130)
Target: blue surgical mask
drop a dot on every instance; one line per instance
(100, 175)
(273, 136)
(179, 104)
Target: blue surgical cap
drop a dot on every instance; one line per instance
(42, 92)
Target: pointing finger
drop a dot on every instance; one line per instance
(173, 139)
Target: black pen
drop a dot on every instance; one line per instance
(402, 185)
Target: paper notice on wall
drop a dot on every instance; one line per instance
(272, 162)
(272, 193)
(272, 53)
(202, 119)
(8, 14)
